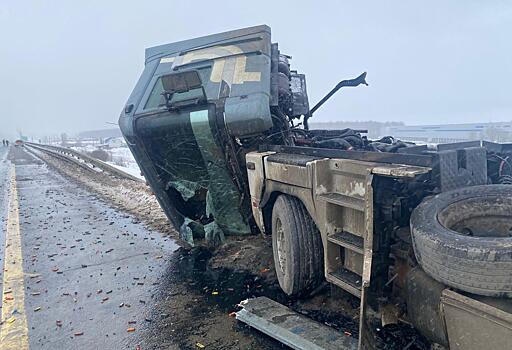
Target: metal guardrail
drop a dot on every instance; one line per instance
(83, 160)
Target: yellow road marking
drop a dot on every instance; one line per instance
(13, 328)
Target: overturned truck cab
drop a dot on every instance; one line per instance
(184, 121)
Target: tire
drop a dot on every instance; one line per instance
(470, 259)
(297, 247)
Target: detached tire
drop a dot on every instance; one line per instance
(297, 247)
(463, 238)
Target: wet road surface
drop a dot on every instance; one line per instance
(77, 274)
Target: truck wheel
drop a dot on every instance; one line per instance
(297, 247)
(463, 238)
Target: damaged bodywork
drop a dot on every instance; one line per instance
(200, 106)
(183, 135)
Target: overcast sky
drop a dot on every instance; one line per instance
(68, 66)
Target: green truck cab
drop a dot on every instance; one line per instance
(199, 106)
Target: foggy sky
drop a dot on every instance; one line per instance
(69, 66)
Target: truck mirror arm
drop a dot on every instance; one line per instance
(351, 82)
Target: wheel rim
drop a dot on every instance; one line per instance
(281, 246)
(483, 216)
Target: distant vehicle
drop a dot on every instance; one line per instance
(18, 143)
(219, 127)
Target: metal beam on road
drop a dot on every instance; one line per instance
(291, 328)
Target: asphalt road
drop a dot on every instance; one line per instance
(77, 273)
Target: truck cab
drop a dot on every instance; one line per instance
(197, 108)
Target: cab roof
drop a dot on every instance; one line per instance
(205, 41)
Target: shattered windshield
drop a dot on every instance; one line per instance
(193, 171)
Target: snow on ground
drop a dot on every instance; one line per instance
(134, 171)
(119, 157)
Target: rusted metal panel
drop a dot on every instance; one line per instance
(367, 261)
(474, 325)
(289, 174)
(423, 295)
(400, 171)
(256, 179)
(354, 261)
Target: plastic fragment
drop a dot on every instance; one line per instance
(131, 329)
(200, 346)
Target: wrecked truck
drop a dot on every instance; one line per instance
(421, 235)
